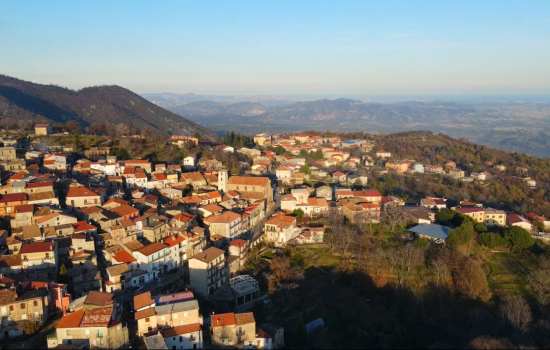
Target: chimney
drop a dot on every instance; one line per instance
(217, 322)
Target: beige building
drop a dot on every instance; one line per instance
(254, 188)
(82, 197)
(207, 271)
(7, 153)
(43, 129)
(39, 260)
(23, 314)
(233, 330)
(95, 324)
(165, 311)
(478, 214)
(494, 217)
(227, 224)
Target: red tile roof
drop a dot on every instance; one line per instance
(97, 317)
(81, 192)
(152, 248)
(40, 184)
(29, 208)
(179, 330)
(124, 257)
(13, 197)
(144, 313)
(99, 298)
(174, 240)
(82, 226)
(125, 210)
(142, 300)
(223, 320)
(237, 243)
(516, 219)
(470, 210)
(71, 320)
(37, 248)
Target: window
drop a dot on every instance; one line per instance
(68, 332)
(12, 308)
(146, 319)
(22, 306)
(35, 303)
(181, 339)
(100, 333)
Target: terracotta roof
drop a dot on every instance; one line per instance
(184, 217)
(81, 192)
(223, 320)
(37, 248)
(125, 210)
(142, 300)
(193, 177)
(82, 226)
(237, 243)
(144, 313)
(47, 217)
(152, 248)
(124, 257)
(97, 317)
(179, 330)
(173, 240)
(13, 197)
(247, 180)
(224, 218)
(209, 255)
(134, 245)
(90, 210)
(40, 184)
(127, 222)
(41, 196)
(116, 200)
(470, 210)
(246, 318)
(99, 298)
(71, 320)
(516, 219)
(10, 260)
(117, 270)
(213, 208)
(29, 208)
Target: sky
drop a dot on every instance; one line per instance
(379, 48)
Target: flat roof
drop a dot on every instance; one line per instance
(431, 230)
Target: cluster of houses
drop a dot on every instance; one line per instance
(425, 215)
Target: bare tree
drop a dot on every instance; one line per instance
(539, 281)
(31, 324)
(403, 259)
(393, 215)
(516, 310)
(335, 223)
(439, 270)
(122, 129)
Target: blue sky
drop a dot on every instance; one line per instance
(491, 47)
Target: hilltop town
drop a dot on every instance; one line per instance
(231, 244)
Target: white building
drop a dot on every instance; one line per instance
(154, 259)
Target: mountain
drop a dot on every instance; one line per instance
(21, 99)
(510, 126)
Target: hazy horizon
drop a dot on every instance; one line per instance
(361, 48)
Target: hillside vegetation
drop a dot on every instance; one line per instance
(23, 100)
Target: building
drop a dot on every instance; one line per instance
(82, 197)
(494, 217)
(23, 314)
(183, 337)
(253, 188)
(419, 215)
(325, 192)
(43, 129)
(270, 336)
(40, 260)
(478, 214)
(518, 220)
(280, 229)
(435, 232)
(227, 225)
(207, 271)
(233, 330)
(154, 259)
(95, 323)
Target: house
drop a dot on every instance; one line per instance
(189, 163)
(23, 314)
(494, 217)
(195, 179)
(233, 330)
(301, 195)
(433, 203)
(456, 173)
(262, 138)
(154, 258)
(82, 197)
(420, 215)
(183, 337)
(356, 210)
(270, 336)
(434, 169)
(43, 129)
(280, 229)
(118, 277)
(238, 252)
(518, 220)
(450, 165)
(251, 188)
(383, 154)
(184, 141)
(435, 232)
(500, 167)
(478, 214)
(207, 271)
(534, 218)
(94, 324)
(8, 203)
(325, 192)
(283, 174)
(311, 235)
(339, 176)
(369, 195)
(40, 260)
(400, 167)
(418, 168)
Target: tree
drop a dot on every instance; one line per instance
(403, 259)
(304, 169)
(122, 129)
(299, 213)
(279, 150)
(492, 240)
(123, 154)
(516, 310)
(445, 215)
(470, 279)
(303, 153)
(461, 235)
(539, 281)
(439, 269)
(73, 127)
(393, 215)
(518, 238)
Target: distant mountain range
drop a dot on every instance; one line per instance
(21, 99)
(510, 126)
